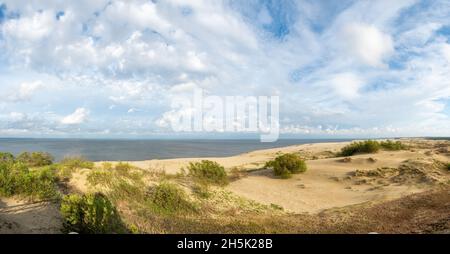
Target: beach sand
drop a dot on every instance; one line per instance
(327, 182)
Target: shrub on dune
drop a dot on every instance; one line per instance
(287, 164)
(91, 214)
(35, 159)
(208, 171)
(368, 146)
(76, 163)
(392, 146)
(169, 198)
(17, 179)
(6, 157)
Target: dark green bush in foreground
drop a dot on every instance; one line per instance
(287, 164)
(208, 171)
(168, 198)
(448, 166)
(35, 159)
(368, 146)
(91, 214)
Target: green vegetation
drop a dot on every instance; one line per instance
(91, 214)
(448, 166)
(392, 146)
(209, 172)
(35, 159)
(287, 164)
(368, 146)
(17, 179)
(6, 157)
(76, 163)
(371, 146)
(69, 164)
(168, 198)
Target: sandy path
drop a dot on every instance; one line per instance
(20, 217)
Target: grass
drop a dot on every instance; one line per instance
(287, 164)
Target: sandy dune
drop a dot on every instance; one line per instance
(324, 185)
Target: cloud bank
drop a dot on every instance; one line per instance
(110, 68)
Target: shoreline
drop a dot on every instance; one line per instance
(246, 160)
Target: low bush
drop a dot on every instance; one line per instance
(6, 157)
(392, 146)
(35, 159)
(208, 171)
(448, 166)
(168, 198)
(76, 163)
(91, 214)
(368, 146)
(17, 179)
(287, 164)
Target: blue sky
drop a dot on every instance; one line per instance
(110, 68)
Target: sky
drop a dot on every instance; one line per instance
(97, 68)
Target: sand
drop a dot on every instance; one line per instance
(23, 217)
(323, 186)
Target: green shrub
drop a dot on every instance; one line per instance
(35, 159)
(208, 171)
(368, 146)
(6, 157)
(168, 198)
(392, 146)
(17, 179)
(448, 166)
(287, 164)
(91, 214)
(76, 163)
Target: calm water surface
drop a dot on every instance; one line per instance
(133, 150)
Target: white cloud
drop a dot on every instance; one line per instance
(446, 51)
(25, 91)
(79, 116)
(346, 85)
(332, 68)
(367, 43)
